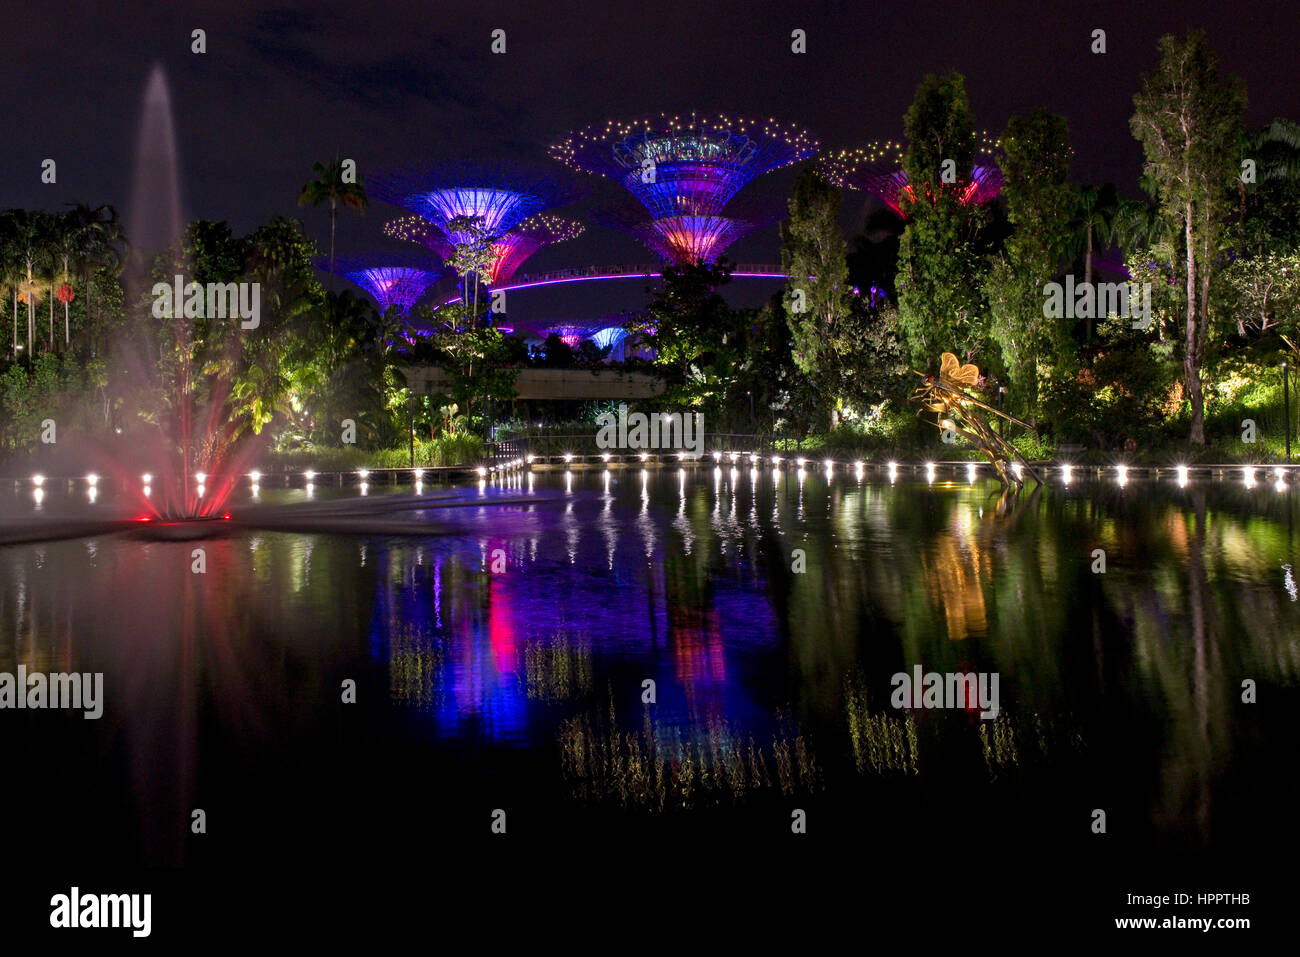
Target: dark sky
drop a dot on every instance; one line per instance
(394, 82)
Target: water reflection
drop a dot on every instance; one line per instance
(537, 628)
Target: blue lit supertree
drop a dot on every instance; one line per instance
(684, 165)
(498, 197)
(390, 280)
(685, 170)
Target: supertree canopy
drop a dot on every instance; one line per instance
(878, 169)
(390, 280)
(508, 252)
(538, 230)
(499, 197)
(688, 239)
(684, 165)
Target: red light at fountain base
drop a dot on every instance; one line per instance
(181, 530)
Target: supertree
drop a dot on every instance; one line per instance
(687, 166)
(390, 280)
(878, 169)
(681, 239)
(508, 252)
(499, 197)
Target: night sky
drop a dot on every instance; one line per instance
(395, 82)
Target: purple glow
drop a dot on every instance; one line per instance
(399, 286)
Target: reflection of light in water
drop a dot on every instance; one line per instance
(1279, 485)
(530, 483)
(363, 556)
(1182, 476)
(147, 491)
(568, 482)
(365, 488)
(1065, 473)
(776, 476)
(255, 489)
(605, 479)
(929, 473)
(1248, 476)
(1122, 475)
(311, 490)
(482, 487)
(38, 496)
(1289, 583)
(858, 471)
(92, 493)
(970, 472)
(893, 472)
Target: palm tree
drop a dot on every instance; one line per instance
(328, 186)
(9, 267)
(1092, 228)
(99, 234)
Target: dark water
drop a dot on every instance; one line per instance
(521, 689)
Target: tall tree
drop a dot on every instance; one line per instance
(1188, 119)
(818, 298)
(1092, 229)
(337, 181)
(939, 265)
(1038, 194)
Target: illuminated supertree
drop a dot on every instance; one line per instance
(499, 197)
(878, 169)
(390, 280)
(686, 166)
(541, 229)
(509, 252)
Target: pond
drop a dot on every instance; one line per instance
(636, 656)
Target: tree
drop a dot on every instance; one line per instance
(1092, 227)
(817, 299)
(1188, 119)
(1035, 168)
(336, 182)
(939, 303)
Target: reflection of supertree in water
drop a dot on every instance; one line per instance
(878, 169)
(498, 197)
(389, 283)
(684, 165)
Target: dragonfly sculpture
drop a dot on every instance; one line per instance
(963, 414)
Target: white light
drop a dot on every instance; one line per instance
(38, 495)
(1248, 473)
(1065, 473)
(92, 493)
(1280, 476)
(202, 477)
(929, 471)
(147, 491)
(1018, 470)
(201, 491)
(364, 487)
(568, 457)
(800, 462)
(1280, 486)
(970, 471)
(419, 474)
(148, 478)
(776, 460)
(92, 479)
(733, 456)
(680, 456)
(309, 475)
(1182, 476)
(255, 489)
(830, 464)
(38, 480)
(1123, 474)
(364, 473)
(644, 456)
(481, 471)
(529, 459)
(604, 456)
(753, 460)
(255, 476)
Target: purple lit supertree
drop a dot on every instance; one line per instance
(509, 251)
(499, 197)
(390, 280)
(878, 169)
(684, 165)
